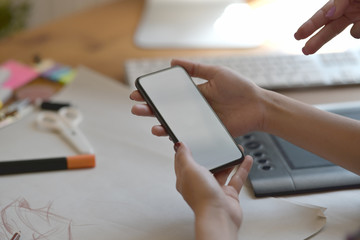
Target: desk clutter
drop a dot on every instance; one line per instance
(20, 99)
(131, 193)
(14, 75)
(18, 96)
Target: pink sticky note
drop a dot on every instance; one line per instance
(20, 74)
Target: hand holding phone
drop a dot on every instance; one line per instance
(185, 114)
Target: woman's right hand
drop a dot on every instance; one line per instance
(237, 101)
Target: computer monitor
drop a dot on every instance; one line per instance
(197, 24)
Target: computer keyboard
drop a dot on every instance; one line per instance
(272, 71)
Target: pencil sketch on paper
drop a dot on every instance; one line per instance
(33, 223)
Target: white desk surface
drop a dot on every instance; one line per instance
(131, 193)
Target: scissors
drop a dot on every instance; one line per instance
(66, 121)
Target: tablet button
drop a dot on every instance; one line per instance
(248, 136)
(258, 154)
(262, 161)
(266, 167)
(253, 145)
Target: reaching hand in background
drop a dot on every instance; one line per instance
(330, 20)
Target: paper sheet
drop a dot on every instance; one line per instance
(281, 219)
(19, 74)
(131, 193)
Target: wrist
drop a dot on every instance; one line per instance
(215, 223)
(278, 110)
(268, 106)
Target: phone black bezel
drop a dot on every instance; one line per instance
(162, 121)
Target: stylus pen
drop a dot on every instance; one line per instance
(47, 164)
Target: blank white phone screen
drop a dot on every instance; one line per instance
(190, 117)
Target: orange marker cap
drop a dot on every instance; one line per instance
(81, 161)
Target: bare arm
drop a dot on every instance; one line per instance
(333, 137)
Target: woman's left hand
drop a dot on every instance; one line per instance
(213, 202)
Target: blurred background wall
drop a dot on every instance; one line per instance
(42, 11)
(16, 15)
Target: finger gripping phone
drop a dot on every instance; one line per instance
(187, 117)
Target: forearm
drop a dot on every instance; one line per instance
(330, 136)
(215, 225)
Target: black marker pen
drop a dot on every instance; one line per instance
(53, 106)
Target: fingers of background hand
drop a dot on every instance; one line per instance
(142, 110)
(135, 95)
(355, 30)
(318, 20)
(196, 69)
(339, 7)
(325, 34)
(159, 131)
(239, 178)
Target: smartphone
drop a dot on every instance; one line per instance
(187, 117)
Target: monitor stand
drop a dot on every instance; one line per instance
(197, 24)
